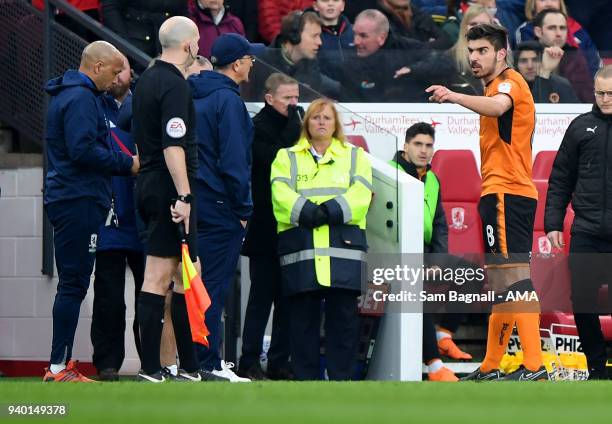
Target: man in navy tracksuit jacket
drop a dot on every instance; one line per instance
(223, 185)
(77, 191)
(118, 245)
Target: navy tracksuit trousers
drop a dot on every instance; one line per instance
(75, 224)
(220, 236)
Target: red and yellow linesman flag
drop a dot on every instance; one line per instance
(196, 298)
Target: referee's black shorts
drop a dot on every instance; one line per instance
(507, 228)
(155, 193)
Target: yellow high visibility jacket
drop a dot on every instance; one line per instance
(333, 254)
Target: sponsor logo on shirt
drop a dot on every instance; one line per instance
(176, 128)
(504, 87)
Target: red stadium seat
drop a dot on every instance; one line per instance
(542, 165)
(358, 141)
(549, 266)
(547, 321)
(461, 185)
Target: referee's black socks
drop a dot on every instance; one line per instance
(151, 322)
(182, 333)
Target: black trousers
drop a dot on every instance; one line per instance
(590, 268)
(430, 341)
(265, 290)
(108, 320)
(341, 333)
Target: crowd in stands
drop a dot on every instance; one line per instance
(401, 46)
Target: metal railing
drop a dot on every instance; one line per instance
(61, 49)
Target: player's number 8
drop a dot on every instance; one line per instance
(490, 236)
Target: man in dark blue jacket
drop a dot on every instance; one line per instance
(223, 185)
(77, 193)
(118, 244)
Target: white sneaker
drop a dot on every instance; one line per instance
(226, 372)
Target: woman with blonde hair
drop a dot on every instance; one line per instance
(577, 36)
(321, 192)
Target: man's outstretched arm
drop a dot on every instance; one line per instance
(493, 106)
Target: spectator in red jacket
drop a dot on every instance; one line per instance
(213, 19)
(272, 11)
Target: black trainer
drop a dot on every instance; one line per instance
(160, 376)
(254, 373)
(280, 374)
(523, 374)
(108, 374)
(478, 375)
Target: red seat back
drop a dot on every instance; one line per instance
(460, 188)
(549, 266)
(458, 174)
(542, 165)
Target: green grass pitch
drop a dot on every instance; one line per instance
(315, 402)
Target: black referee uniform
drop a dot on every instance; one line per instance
(163, 116)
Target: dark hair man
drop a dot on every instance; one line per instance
(415, 160)
(550, 28)
(509, 198)
(536, 64)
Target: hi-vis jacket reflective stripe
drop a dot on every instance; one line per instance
(432, 191)
(329, 255)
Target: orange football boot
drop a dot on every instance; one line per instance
(443, 374)
(70, 373)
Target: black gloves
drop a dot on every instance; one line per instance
(291, 133)
(313, 215)
(321, 216)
